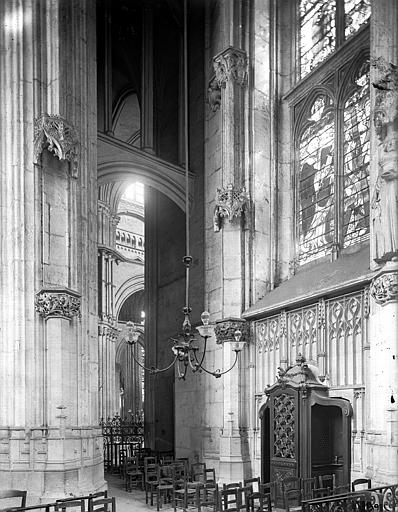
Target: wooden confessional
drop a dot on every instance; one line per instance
(305, 433)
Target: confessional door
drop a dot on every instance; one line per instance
(284, 437)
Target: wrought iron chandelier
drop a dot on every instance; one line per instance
(185, 350)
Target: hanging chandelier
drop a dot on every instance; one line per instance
(187, 354)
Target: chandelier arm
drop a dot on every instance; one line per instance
(154, 370)
(199, 363)
(218, 372)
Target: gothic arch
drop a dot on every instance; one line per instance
(132, 285)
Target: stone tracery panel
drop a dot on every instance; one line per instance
(332, 330)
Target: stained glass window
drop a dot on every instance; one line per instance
(325, 25)
(333, 166)
(357, 13)
(316, 181)
(356, 161)
(318, 32)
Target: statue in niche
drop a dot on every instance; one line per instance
(385, 194)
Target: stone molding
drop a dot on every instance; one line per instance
(57, 135)
(110, 332)
(230, 202)
(214, 95)
(225, 328)
(384, 287)
(231, 66)
(58, 303)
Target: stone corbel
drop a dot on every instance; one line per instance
(225, 330)
(230, 66)
(58, 303)
(230, 202)
(384, 287)
(59, 137)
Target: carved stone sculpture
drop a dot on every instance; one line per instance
(61, 303)
(230, 65)
(225, 330)
(384, 288)
(385, 194)
(59, 137)
(214, 95)
(230, 202)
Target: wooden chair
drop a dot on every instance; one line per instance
(198, 472)
(14, 493)
(208, 497)
(133, 474)
(271, 489)
(230, 499)
(88, 498)
(165, 485)
(292, 499)
(62, 506)
(150, 481)
(321, 492)
(327, 481)
(102, 505)
(255, 498)
(361, 482)
(210, 476)
(185, 495)
(307, 487)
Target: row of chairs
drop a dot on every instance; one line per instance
(96, 502)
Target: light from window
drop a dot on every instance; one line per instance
(325, 25)
(318, 32)
(316, 181)
(357, 13)
(356, 161)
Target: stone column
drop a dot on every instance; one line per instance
(108, 331)
(231, 76)
(383, 417)
(382, 420)
(51, 442)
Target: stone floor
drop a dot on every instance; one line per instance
(133, 501)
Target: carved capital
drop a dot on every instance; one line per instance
(230, 66)
(384, 287)
(230, 202)
(225, 330)
(60, 137)
(214, 95)
(386, 100)
(58, 303)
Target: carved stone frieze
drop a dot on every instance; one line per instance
(58, 303)
(230, 202)
(60, 137)
(384, 288)
(225, 330)
(231, 65)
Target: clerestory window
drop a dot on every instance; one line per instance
(331, 113)
(325, 26)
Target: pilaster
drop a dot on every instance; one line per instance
(382, 416)
(232, 201)
(48, 343)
